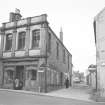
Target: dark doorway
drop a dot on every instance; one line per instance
(61, 78)
(20, 72)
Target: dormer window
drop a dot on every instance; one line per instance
(35, 38)
(8, 42)
(21, 40)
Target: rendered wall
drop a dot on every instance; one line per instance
(100, 51)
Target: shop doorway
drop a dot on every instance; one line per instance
(20, 72)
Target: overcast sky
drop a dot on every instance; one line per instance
(74, 16)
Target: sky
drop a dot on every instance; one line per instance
(74, 16)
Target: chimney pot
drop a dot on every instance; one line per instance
(15, 16)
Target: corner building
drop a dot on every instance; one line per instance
(99, 32)
(31, 52)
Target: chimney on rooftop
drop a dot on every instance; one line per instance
(15, 16)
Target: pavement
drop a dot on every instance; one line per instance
(9, 97)
(78, 91)
(76, 95)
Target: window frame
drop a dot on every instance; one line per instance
(49, 42)
(31, 75)
(35, 37)
(6, 42)
(68, 62)
(64, 56)
(10, 75)
(21, 38)
(57, 50)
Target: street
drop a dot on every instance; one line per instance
(77, 91)
(10, 97)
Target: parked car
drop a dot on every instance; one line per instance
(76, 80)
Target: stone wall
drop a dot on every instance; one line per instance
(100, 50)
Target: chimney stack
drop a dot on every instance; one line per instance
(61, 35)
(15, 16)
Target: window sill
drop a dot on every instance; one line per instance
(37, 48)
(20, 50)
(7, 51)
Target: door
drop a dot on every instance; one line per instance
(20, 72)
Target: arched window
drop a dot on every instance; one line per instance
(35, 38)
(8, 42)
(21, 40)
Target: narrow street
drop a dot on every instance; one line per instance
(72, 96)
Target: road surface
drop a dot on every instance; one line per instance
(20, 98)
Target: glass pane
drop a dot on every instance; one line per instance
(9, 42)
(21, 40)
(35, 38)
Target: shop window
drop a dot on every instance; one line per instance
(9, 76)
(21, 40)
(35, 38)
(8, 42)
(32, 75)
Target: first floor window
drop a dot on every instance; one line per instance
(68, 62)
(8, 42)
(35, 38)
(21, 40)
(57, 49)
(49, 42)
(64, 56)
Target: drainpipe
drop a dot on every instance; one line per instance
(46, 70)
(96, 79)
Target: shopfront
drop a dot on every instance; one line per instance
(26, 72)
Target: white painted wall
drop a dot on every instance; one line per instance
(100, 50)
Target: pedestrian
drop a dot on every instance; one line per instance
(67, 83)
(16, 84)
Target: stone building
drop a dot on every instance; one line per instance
(31, 52)
(99, 32)
(91, 77)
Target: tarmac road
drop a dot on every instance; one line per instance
(20, 98)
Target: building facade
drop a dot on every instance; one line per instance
(31, 52)
(92, 76)
(99, 32)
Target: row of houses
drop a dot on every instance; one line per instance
(31, 52)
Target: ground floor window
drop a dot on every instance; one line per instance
(52, 76)
(32, 74)
(61, 78)
(9, 76)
